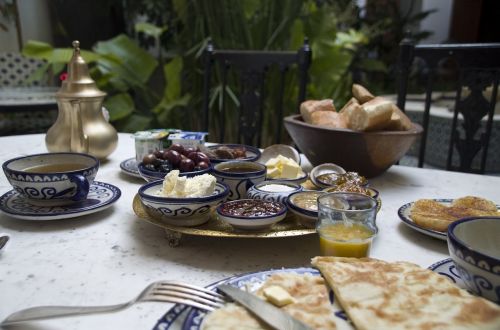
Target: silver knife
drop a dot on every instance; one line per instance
(263, 310)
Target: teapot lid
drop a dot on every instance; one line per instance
(79, 83)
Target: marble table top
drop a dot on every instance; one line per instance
(110, 256)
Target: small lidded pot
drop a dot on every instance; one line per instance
(239, 176)
(275, 191)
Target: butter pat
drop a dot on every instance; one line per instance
(278, 296)
(282, 167)
(182, 187)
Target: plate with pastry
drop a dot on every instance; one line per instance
(366, 293)
(433, 216)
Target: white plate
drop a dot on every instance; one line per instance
(448, 269)
(129, 166)
(101, 196)
(182, 317)
(404, 215)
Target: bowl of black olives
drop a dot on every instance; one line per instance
(189, 161)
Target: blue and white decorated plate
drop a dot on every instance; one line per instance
(448, 269)
(101, 196)
(182, 317)
(129, 166)
(404, 215)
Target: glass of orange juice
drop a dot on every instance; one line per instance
(346, 224)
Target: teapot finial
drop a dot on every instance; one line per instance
(76, 46)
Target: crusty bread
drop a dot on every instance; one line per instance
(361, 93)
(328, 119)
(400, 295)
(399, 120)
(433, 215)
(371, 116)
(307, 108)
(349, 105)
(311, 305)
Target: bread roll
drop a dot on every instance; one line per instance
(361, 94)
(328, 119)
(310, 106)
(370, 116)
(349, 104)
(399, 121)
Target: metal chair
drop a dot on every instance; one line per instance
(477, 68)
(25, 108)
(244, 76)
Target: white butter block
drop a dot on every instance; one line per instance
(278, 296)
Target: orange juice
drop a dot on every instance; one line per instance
(342, 240)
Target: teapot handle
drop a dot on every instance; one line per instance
(79, 141)
(82, 186)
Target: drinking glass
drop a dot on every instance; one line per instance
(346, 224)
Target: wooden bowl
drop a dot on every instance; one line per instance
(369, 153)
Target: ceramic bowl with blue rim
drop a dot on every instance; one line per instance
(52, 177)
(474, 246)
(150, 175)
(273, 190)
(183, 212)
(251, 214)
(239, 176)
(304, 205)
(227, 152)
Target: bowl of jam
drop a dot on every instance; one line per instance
(251, 214)
(304, 204)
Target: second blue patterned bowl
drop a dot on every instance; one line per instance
(474, 246)
(183, 212)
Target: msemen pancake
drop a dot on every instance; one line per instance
(311, 305)
(400, 295)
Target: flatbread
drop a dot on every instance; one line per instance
(433, 215)
(312, 305)
(401, 295)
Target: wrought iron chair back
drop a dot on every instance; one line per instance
(478, 68)
(250, 69)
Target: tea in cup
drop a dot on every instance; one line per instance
(56, 177)
(239, 176)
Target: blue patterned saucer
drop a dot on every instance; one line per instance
(129, 166)
(448, 269)
(101, 196)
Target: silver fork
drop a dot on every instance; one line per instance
(164, 291)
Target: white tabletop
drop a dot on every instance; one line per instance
(110, 256)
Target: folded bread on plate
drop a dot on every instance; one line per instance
(377, 294)
(434, 215)
(310, 304)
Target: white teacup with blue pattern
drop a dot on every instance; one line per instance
(57, 177)
(239, 176)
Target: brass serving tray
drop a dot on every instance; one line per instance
(217, 228)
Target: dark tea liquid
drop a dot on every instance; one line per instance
(53, 168)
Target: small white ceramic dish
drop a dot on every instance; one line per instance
(183, 212)
(273, 190)
(248, 220)
(275, 150)
(305, 211)
(474, 246)
(324, 169)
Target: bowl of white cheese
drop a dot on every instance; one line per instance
(183, 201)
(273, 190)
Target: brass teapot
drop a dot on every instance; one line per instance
(80, 125)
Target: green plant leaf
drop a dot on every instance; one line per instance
(45, 51)
(150, 29)
(172, 71)
(137, 65)
(134, 123)
(119, 106)
(370, 64)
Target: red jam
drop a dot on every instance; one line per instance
(251, 208)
